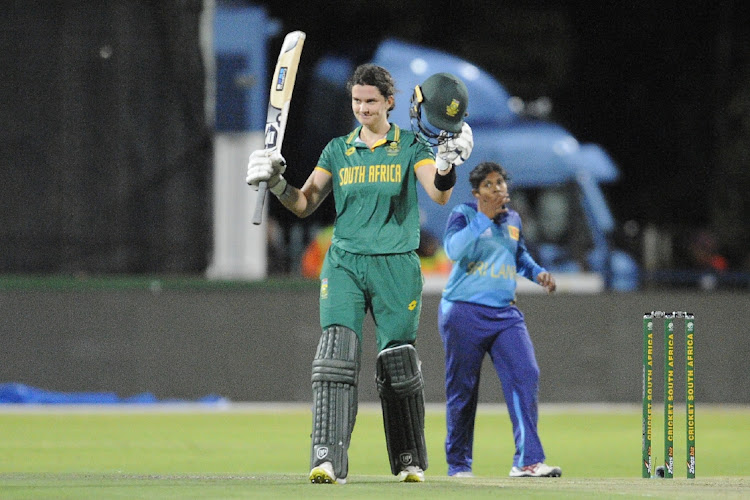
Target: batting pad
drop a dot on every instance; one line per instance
(401, 389)
(335, 373)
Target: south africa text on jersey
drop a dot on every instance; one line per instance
(374, 173)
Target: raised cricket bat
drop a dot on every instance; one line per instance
(282, 86)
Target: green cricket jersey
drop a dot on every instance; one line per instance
(375, 191)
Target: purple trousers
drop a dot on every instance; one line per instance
(469, 332)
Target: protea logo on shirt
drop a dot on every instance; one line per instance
(373, 173)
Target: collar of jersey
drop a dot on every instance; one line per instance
(393, 135)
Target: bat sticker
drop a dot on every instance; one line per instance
(281, 79)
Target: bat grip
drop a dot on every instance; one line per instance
(259, 201)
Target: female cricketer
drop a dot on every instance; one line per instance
(478, 316)
(371, 264)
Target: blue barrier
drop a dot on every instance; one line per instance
(15, 393)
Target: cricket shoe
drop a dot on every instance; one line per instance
(411, 474)
(538, 469)
(463, 473)
(323, 474)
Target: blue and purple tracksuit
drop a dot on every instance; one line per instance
(478, 316)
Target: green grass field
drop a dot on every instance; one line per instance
(256, 452)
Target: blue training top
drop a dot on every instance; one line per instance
(487, 256)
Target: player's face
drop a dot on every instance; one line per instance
(493, 193)
(370, 107)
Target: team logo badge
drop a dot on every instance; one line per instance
(514, 232)
(452, 108)
(324, 288)
(350, 151)
(393, 149)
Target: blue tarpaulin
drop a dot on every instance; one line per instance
(16, 393)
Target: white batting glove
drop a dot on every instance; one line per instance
(267, 165)
(456, 150)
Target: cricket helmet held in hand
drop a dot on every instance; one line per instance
(444, 98)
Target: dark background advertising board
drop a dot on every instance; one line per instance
(258, 343)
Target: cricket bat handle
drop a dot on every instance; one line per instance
(259, 202)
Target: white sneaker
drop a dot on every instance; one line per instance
(538, 469)
(323, 474)
(463, 473)
(411, 474)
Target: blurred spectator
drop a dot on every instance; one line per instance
(431, 254)
(430, 251)
(312, 259)
(703, 252)
(275, 246)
